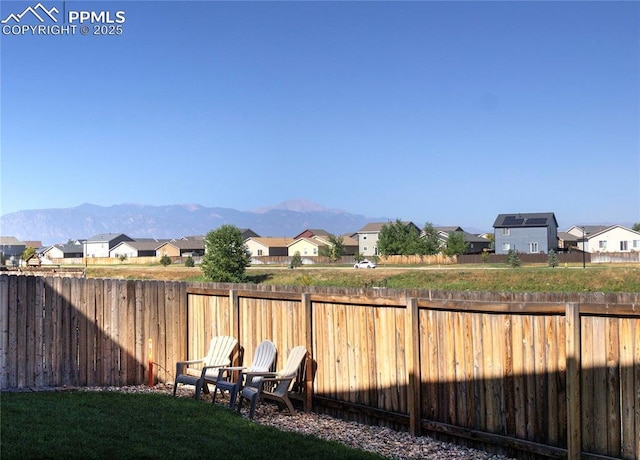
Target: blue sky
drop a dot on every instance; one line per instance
(447, 112)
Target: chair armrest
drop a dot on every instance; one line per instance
(277, 379)
(230, 368)
(180, 365)
(261, 374)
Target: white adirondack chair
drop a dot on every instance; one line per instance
(278, 383)
(263, 358)
(201, 372)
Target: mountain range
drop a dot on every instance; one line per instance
(174, 221)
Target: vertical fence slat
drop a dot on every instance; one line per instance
(12, 350)
(92, 332)
(141, 341)
(308, 321)
(574, 395)
(413, 365)
(84, 348)
(4, 331)
(519, 372)
(21, 332)
(612, 392)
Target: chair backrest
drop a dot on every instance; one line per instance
(220, 349)
(289, 372)
(263, 357)
(295, 358)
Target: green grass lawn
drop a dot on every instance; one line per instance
(79, 424)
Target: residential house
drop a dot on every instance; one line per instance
(581, 231)
(184, 247)
(100, 245)
(306, 246)
(268, 246)
(140, 247)
(475, 244)
(531, 233)
(567, 241)
(11, 248)
(369, 234)
(615, 238)
(350, 243)
(64, 251)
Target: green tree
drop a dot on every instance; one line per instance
(552, 259)
(28, 252)
(431, 240)
(636, 227)
(296, 260)
(492, 238)
(484, 256)
(334, 250)
(512, 259)
(226, 257)
(455, 245)
(165, 260)
(399, 238)
(189, 262)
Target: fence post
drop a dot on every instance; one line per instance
(308, 335)
(412, 346)
(573, 346)
(234, 304)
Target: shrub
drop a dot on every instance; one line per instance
(165, 260)
(296, 260)
(189, 262)
(512, 259)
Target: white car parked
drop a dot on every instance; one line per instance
(365, 264)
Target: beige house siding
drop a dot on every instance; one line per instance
(305, 246)
(268, 246)
(169, 250)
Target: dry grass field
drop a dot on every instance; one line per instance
(595, 278)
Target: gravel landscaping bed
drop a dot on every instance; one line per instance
(381, 440)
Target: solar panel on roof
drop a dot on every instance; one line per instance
(537, 221)
(512, 220)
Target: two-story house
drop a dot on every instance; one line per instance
(369, 234)
(100, 245)
(530, 233)
(614, 238)
(11, 248)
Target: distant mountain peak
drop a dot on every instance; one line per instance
(298, 205)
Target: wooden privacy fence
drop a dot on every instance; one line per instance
(546, 378)
(57, 331)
